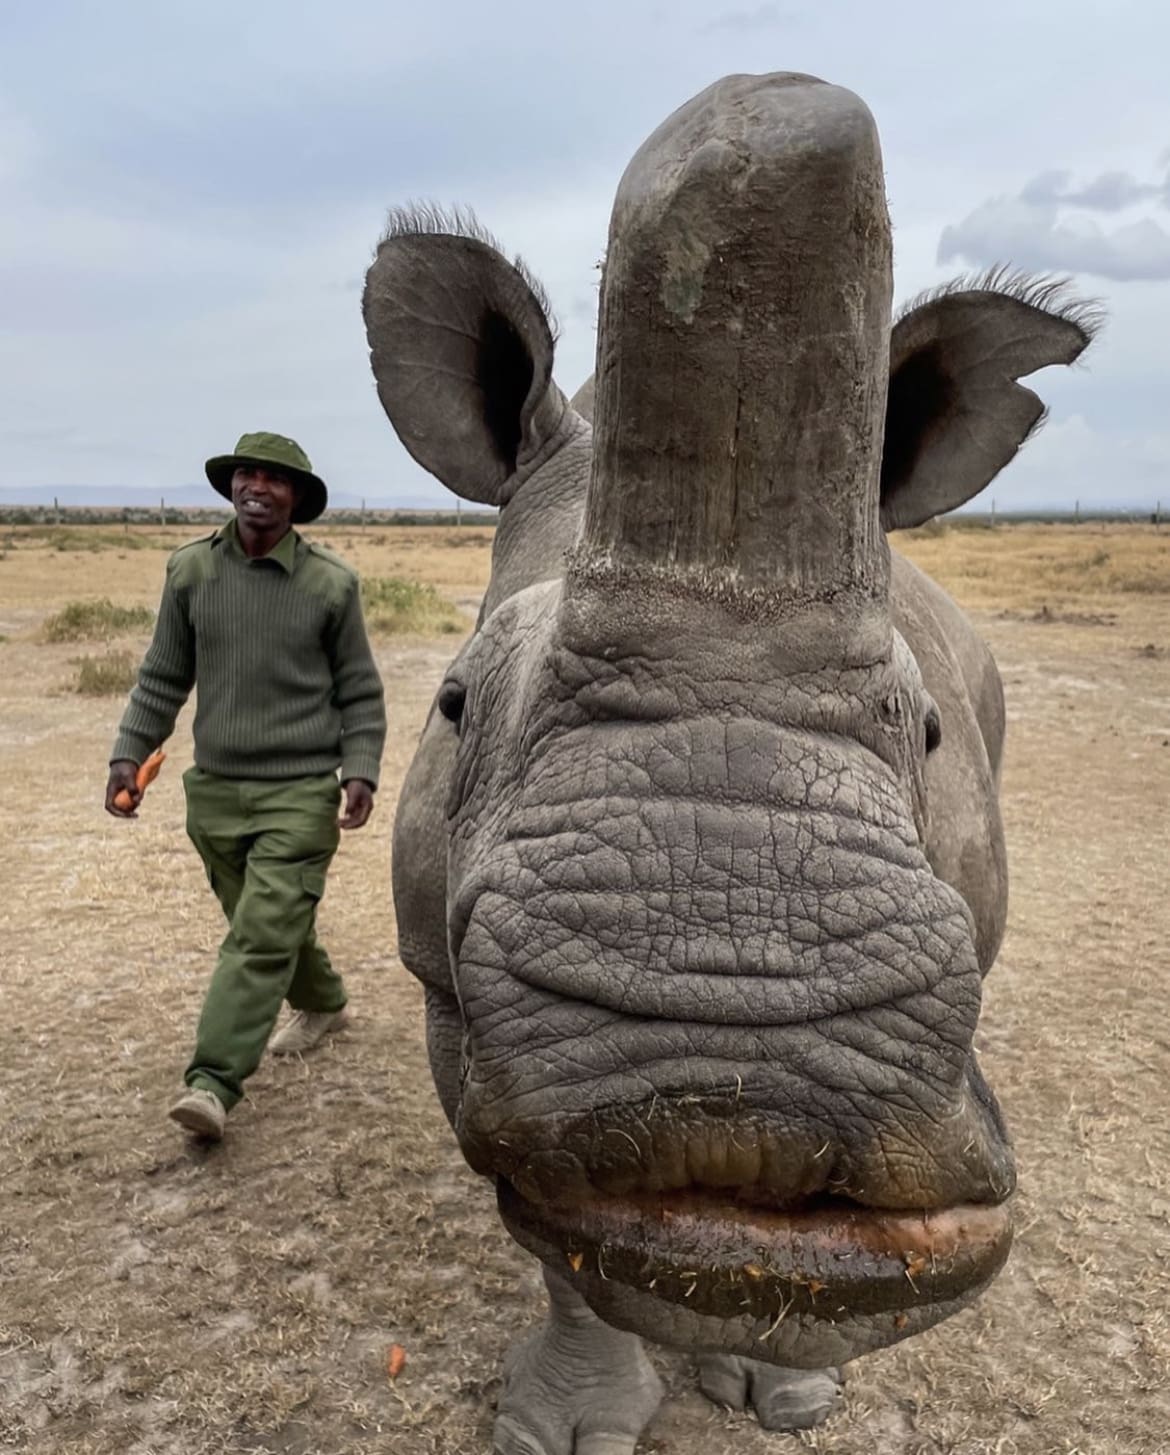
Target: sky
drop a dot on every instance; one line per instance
(190, 194)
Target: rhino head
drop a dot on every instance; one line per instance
(702, 876)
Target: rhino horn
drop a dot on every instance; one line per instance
(742, 347)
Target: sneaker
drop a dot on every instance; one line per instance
(201, 1112)
(308, 1028)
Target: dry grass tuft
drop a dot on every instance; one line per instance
(393, 607)
(110, 676)
(95, 621)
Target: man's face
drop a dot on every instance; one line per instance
(265, 498)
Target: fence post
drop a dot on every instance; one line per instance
(162, 511)
(56, 512)
(1077, 513)
(363, 512)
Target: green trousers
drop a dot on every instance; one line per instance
(266, 846)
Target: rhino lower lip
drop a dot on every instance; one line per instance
(826, 1258)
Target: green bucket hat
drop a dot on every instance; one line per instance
(282, 454)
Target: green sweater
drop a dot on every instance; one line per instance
(287, 684)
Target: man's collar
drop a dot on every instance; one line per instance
(284, 552)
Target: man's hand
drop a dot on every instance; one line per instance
(359, 803)
(123, 774)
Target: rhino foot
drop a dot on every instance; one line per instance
(783, 1399)
(576, 1386)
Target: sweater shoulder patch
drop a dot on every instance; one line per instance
(330, 576)
(193, 562)
(325, 554)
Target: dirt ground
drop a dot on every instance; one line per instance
(157, 1298)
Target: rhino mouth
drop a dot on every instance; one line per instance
(824, 1258)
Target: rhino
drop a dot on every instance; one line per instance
(699, 859)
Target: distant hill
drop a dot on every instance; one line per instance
(202, 497)
(187, 497)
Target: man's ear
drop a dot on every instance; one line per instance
(955, 414)
(461, 345)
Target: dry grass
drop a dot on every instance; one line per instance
(90, 539)
(163, 1300)
(110, 676)
(94, 621)
(457, 561)
(1032, 566)
(394, 607)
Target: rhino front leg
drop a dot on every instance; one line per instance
(576, 1386)
(783, 1399)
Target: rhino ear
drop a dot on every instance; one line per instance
(955, 414)
(461, 345)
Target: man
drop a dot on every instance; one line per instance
(271, 627)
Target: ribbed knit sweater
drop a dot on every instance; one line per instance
(286, 682)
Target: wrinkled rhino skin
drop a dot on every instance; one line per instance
(700, 859)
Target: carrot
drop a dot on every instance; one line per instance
(147, 773)
(395, 1360)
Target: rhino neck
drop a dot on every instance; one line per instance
(542, 519)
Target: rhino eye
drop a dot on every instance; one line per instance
(452, 696)
(933, 729)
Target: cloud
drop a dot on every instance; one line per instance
(1110, 192)
(189, 206)
(1070, 461)
(1030, 231)
(761, 18)
(162, 338)
(20, 146)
